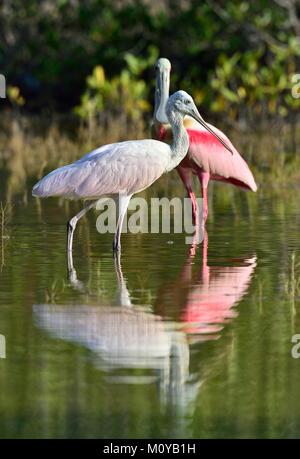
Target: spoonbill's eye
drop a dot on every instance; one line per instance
(187, 102)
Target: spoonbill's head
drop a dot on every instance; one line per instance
(181, 102)
(163, 65)
(163, 69)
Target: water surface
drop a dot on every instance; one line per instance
(163, 344)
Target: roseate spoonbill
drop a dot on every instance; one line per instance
(206, 158)
(122, 168)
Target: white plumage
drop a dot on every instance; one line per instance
(127, 167)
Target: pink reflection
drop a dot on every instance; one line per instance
(211, 299)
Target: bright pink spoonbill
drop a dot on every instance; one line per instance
(207, 158)
(123, 168)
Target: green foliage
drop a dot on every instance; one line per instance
(126, 93)
(235, 57)
(243, 81)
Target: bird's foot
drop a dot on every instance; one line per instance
(116, 246)
(71, 225)
(193, 250)
(204, 216)
(195, 217)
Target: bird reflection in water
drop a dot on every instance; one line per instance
(211, 298)
(124, 337)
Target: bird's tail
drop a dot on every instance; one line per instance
(57, 183)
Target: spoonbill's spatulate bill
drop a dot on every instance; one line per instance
(207, 158)
(122, 168)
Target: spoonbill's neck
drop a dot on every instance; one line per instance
(180, 143)
(162, 89)
(156, 102)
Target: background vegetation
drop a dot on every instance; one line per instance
(236, 57)
(80, 74)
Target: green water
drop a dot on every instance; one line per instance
(165, 345)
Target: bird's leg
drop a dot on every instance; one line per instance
(204, 179)
(193, 199)
(195, 242)
(123, 204)
(205, 267)
(71, 225)
(123, 295)
(72, 275)
(185, 175)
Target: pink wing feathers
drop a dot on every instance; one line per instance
(210, 155)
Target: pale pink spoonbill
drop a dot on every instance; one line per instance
(122, 168)
(207, 158)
